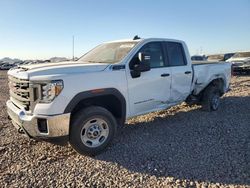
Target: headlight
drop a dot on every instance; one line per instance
(50, 90)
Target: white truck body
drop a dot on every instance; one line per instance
(153, 90)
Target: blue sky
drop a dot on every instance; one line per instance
(40, 29)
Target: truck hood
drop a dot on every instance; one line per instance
(62, 68)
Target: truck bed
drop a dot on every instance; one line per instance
(206, 71)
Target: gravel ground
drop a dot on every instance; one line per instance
(179, 147)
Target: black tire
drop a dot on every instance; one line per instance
(211, 99)
(79, 133)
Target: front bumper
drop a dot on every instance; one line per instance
(53, 126)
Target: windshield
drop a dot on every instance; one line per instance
(108, 52)
(242, 54)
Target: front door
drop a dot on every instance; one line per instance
(151, 90)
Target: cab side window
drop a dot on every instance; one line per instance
(175, 53)
(154, 54)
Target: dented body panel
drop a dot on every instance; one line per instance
(206, 73)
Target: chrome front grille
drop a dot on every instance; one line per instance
(20, 92)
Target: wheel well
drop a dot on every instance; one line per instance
(195, 99)
(109, 102)
(219, 83)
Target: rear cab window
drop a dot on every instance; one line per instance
(175, 54)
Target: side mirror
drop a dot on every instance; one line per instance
(143, 64)
(142, 67)
(143, 57)
(139, 64)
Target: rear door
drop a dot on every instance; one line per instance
(181, 71)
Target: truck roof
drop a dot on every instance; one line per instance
(146, 40)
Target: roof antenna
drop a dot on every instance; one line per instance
(136, 37)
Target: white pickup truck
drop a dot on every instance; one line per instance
(86, 101)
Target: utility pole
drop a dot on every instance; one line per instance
(73, 47)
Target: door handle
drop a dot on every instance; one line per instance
(165, 75)
(188, 72)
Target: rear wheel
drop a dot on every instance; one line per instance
(92, 129)
(211, 99)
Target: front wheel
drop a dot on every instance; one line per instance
(211, 99)
(92, 129)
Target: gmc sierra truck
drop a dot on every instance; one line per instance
(85, 102)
